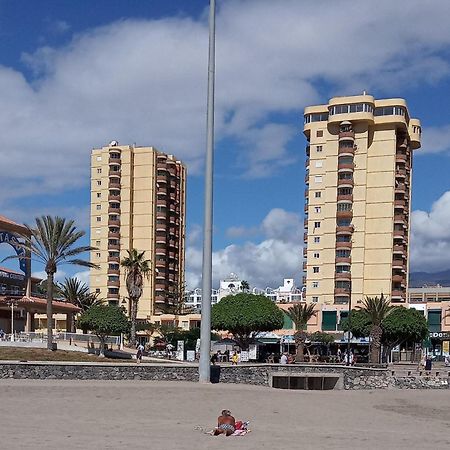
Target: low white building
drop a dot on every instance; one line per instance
(287, 293)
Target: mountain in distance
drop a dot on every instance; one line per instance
(419, 279)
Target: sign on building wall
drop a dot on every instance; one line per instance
(13, 241)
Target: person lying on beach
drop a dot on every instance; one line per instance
(226, 424)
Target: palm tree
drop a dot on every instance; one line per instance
(245, 287)
(377, 309)
(52, 242)
(136, 269)
(300, 314)
(76, 292)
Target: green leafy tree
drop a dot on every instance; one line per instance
(245, 315)
(136, 269)
(104, 321)
(377, 309)
(300, 314)
(76, 292)
(52, 242)
(321, 338)
(358, 324)
(403, 325)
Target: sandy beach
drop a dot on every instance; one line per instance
(164, 415)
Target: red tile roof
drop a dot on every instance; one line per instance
(41, 303)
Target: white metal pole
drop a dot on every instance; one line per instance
(12, 321)
(205, 331)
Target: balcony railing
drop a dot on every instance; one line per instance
(345, 182)
(113, 246)
(345, 197)
(344, 229)
(343, 244)
(342, 275)
(344, 214)
(114, 222)
(346, 135)
(342, 291)
(346, 151)
(346, 166)
(113, 283)
(344, 259)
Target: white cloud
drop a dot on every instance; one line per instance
(435, 140)
(144, 81)
(430, 237)
(82, 276)
(263, 264)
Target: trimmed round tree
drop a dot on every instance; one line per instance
(403, 325)
(245, 315)
(104, 321)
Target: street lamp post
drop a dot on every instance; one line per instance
(349, 334)
(205, 331)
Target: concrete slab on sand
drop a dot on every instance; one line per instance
(163, 415)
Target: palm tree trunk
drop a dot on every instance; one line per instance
(299, 348)
(50, 276)
(375, 336)
(133, 321)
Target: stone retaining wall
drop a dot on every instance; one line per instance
(256, 374)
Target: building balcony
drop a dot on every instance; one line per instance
(114, 171)
(113, 246)
(114, 183)
(343, 245)
(173, 184)
(161, 227)
(114, 234)
(114, 160)
(162, 190)
(161, 203)
(113, 209)
(307, 162)
(398, 278)
(114, 197)
(305, 223)
(344, 259)
(305, 209)
(346, 166)
(398, 264)
(113, 258)
(113, 271)
(113, 296)
(160, 251)
(399, 218)
(401, 157)
(173, 243)
(160, 287)
(305, 252)
(113, 283)
(172, 255)
(161, 179)
(342, 291)
(399, 203)
(304, 265)
(346, 151)
(397, 293)
(344, 214)
(305, 237)
(345, 182)
(402, 143)
(400, 188)
(399, 249)
(341, 300)
(400, 172)
(307, 179)
(344, 229)
(346, 135)
(345, 197)
(113, 222)
(342, 275)
(399, 233)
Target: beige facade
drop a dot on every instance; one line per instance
(357, 200)
(137, 201)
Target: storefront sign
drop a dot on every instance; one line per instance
(439, 335)
(11, 239)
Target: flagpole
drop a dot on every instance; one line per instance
(205, 331)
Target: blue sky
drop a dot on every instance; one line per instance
(76, 74)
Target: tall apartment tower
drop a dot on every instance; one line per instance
(358, 198)
(137, 201)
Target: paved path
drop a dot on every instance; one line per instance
(162, 415)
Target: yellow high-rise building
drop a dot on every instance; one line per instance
(358, 199)
(137, 201)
